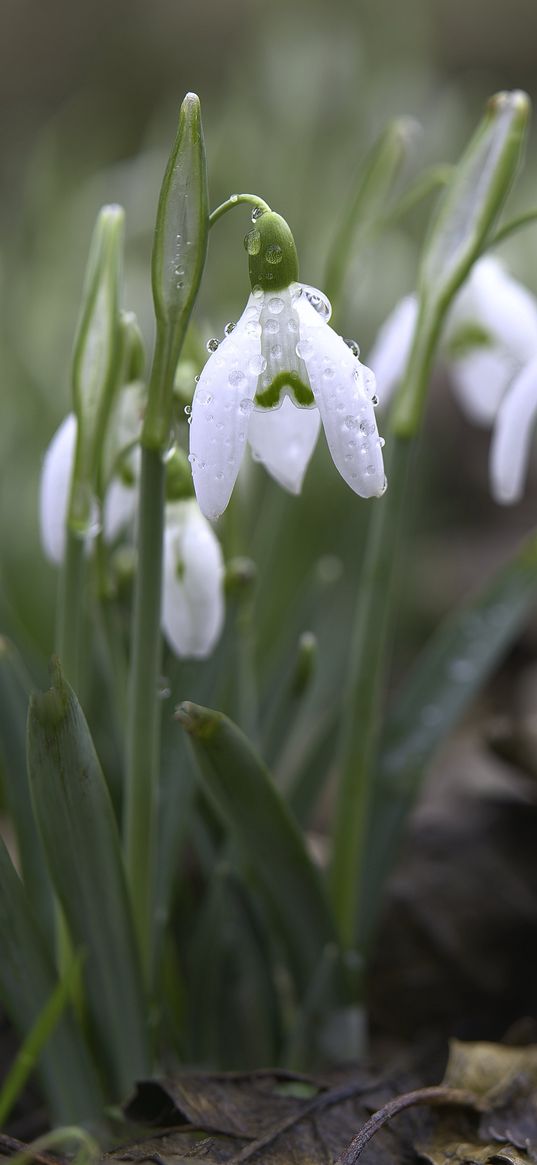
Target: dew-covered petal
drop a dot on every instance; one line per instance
(283, 440)
(511, 439)
(54, 488)
(389, 355)
(192, 583)
(221, 409)
(480, 380)
(343, 390)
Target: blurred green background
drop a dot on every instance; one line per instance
(293, 94)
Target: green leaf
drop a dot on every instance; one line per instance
(96, 358)
(244, 795)
(39, 1035)
(455, 664)
(15, 686)
(377, 176)
(179, 252)
(79, 832)
(27, 983)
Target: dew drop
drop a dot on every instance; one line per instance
(252, 242)
(382, 442)
(233, 198)
(374, 400)
(304, 348)
(274, 254)
(257, 212)
(276, 305)
(257, 365)
(212, 345)
(272, 327)
(370, 469)
(219, 476)
(229, 328)
(329, 372)
(350, 423)
(276, 351)
(188, 410)
(246, 405)
(236, 378)
(197, 379)
(354, 347)
(292, 326)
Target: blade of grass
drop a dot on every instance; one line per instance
(455, 664)
(242, 791)
(15, 687)
(80, 836)
(27, 983)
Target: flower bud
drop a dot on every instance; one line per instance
(272, 257)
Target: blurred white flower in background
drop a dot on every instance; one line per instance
(192, 582)
(490, 345)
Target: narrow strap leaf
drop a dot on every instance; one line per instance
(455, 664)
(79, 832)
(27, 982)
(244, 795)
(15, 687)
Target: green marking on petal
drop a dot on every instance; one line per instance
(270, 396)
(468, 337)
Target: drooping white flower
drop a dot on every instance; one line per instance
(192, 582)
(272, 380)
(489, 343)
(55, 484)
(119, 503)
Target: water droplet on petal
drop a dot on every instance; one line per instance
(350, 423)
(382, 442)
(246, 405)
(236, 378)
(196, 379)
(276, 351)
(257, 212)
(212, 345)
(276, 305)
(257, 365)
(188, 410)
(318, 301)
(272, 327)
(292, 326)
(329, 372)
(374, 400)
(304, 348)
(229, 328)
(354, 347)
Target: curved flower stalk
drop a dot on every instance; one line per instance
(490, 345)
(279, 374)
(192, 582)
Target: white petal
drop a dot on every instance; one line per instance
(54, 488)
(283, 440)
(343, 388)
(480, 380)
(498, 304)
(221, 409)
(389, 355)
(511, 439)
(192, 584)
(119, 508)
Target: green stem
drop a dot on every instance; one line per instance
(71, 607)
(236, 200)
(360, 720)
(143, 712)
(510, 228)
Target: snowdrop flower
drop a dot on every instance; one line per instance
(55, 486)
(279, 374)
(490, 345)
(192, 584)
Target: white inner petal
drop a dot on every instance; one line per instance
(283, 440)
